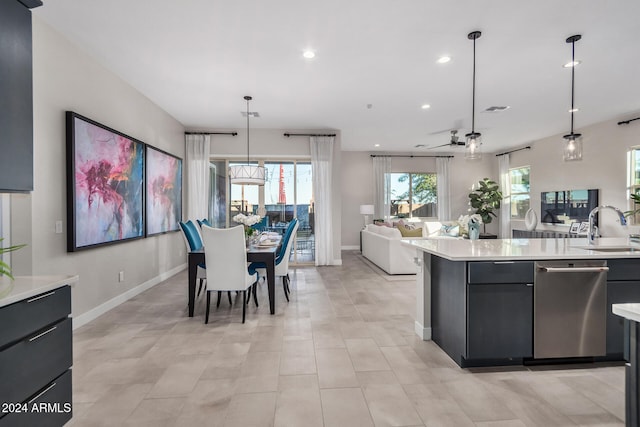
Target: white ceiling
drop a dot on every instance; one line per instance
(196, 59)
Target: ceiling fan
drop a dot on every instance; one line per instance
(453, 142)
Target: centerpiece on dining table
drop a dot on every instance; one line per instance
(247, 221)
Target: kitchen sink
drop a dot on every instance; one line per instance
(612, 248)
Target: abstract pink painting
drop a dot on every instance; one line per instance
(104, 183)
(164, 191)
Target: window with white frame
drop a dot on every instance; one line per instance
(414, 195)
(520, 188)
(633, 180)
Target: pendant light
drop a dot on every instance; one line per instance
(247, 174)
(573, 141)
(474, 139)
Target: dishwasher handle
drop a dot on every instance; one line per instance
(573, 269)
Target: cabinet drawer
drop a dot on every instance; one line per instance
(623, 269)
(33, 314)
(34, 361)
(501, 272)
(49, 407)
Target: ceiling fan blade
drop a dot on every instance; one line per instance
(438, 146)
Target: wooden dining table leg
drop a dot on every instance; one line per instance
(193, 270)
(271, 282)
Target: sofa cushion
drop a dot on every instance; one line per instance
(432, 228)
(392, 233)
(450, 230)
(408, 232)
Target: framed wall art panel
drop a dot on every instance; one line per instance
(105, 185)
(164, 191)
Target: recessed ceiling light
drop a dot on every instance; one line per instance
(419, 146)
(425, 106)
(443, 59)
(376, 145)
(572, 64)
(309, 54)
(573, 110)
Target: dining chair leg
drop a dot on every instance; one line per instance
(200, 287)
(255, 293)
(218, 303)
(206, 316)
(244, 305)
(229, 295)
(249, 296)
(284, 288)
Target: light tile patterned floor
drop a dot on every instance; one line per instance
(342, 352)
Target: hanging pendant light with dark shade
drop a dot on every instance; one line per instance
(573, 141)
(249, 174)
(474, 139)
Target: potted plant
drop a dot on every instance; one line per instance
(485, 200)
(5, 269)
(635, 198)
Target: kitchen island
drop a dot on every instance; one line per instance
(477, 299)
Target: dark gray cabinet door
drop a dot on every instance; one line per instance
(619, 292)
(499, 321)
(16, 98)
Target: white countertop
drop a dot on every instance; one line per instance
(526, 249)
(27, 286)
(628, 311)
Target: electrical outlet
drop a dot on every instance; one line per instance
(58, 227)
(121, 276)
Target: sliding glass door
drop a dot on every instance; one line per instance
(287, 194)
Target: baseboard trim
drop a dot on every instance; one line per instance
(350, 248)
(422, 332)
(98, 311)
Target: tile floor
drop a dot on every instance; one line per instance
(341, 353)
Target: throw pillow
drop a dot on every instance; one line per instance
(406, 232)
(450, 230)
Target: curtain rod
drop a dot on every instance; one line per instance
(410, 156)
(309, 134)
(626, 122)
(211, 133)
(528, 147)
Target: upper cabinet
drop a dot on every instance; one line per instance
(16, 96)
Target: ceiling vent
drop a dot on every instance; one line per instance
(495, 109)
(250, 113)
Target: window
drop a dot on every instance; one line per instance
(519, 189)
(633, 184)
(286, 194)
(414, 195)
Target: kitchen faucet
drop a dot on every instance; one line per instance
(592, 228)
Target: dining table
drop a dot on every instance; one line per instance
(255, 253)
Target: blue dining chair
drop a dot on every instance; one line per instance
(193, 242)
(282, 259)
(204, 221)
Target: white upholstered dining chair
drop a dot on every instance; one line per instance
(226, 260)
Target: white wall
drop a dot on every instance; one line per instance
(65, 78)
(604, 166)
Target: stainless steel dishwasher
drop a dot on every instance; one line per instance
(569, 309)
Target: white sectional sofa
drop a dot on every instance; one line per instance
(383, 246)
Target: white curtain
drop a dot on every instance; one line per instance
(443, 189)
(505, 187)
(381, 187)
(321, 167)
(197, 150)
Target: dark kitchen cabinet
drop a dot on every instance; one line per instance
(16, 96)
